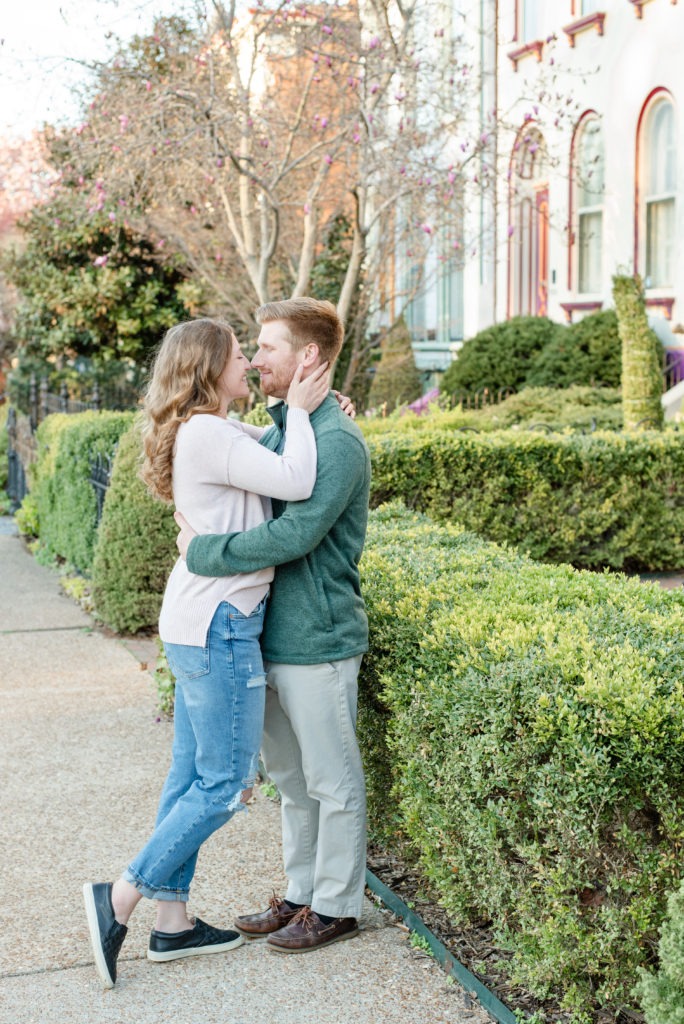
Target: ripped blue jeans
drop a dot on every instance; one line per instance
(218, 721)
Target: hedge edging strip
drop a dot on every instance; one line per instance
(452, 967)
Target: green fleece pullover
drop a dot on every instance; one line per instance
(315, 610)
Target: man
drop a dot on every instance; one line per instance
(315, 634)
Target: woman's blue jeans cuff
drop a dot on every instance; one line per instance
(170, 895)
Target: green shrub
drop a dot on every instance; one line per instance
(522, 728)
(258, 416)
(135, 548)
(576, 407)
(4, 446)
(642, 356)
(588, 352)
(62, 504)
(500, 356)
(596, 500)
(662, 995)
(396, 380)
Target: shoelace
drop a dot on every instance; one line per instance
(275, 902)
(305, 919)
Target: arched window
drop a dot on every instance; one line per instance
(529, 227)
(659, 177)
(588, 173)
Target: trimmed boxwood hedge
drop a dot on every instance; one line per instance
(135, 546)
(62, 505)
(523, 731)
(596, 500)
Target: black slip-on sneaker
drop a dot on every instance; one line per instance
(106, 934)
(193, 942)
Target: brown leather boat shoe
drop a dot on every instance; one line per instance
(276, 916)
(307, 932)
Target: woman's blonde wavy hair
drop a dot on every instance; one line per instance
(183, 382)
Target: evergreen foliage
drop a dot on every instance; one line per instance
(588, 352)
(89, 286)
(595, 500)
(396, 380)
(135, 549)
(662, 994)
(501, 356)
(327, 280)
(642, 381)
(4, 447)
(522, 732)
(575, 408)
(61, 508)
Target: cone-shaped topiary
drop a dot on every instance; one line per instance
(642, 382)
(397, 380)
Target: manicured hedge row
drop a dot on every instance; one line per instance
(577, 408)
(62, 505)
(598, 500)
(135, 547)
(523, 730)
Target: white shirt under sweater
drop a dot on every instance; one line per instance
(223, 480)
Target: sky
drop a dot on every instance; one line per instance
(43, 44)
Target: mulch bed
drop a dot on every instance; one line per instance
(474, 946)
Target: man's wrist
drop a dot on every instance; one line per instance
(188, 553)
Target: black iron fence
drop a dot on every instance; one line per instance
(23, 449)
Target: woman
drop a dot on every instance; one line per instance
(214, 470)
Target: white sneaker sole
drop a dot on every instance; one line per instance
(95, 940)
(178, 954)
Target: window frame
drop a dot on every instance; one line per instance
(647, 200)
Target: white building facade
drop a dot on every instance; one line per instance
(588, 149)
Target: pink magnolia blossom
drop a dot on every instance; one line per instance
(112, 217)
(100, 261)
(328, 159)
(373, 43)
(511, 229)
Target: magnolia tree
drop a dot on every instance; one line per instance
(236, 137)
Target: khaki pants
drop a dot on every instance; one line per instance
(311, 753)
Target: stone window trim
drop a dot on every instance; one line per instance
(580, 307)
(536, 47)
(590, 21)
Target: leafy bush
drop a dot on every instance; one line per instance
(62, 505)
(577, 407)
(135, 548)
(500, 356)
(588, 352)
(4, 446)
(396, 380)
(662, 995)
(596, 500)
(642, 356)
(522, 730)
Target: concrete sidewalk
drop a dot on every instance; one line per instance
(83, 756)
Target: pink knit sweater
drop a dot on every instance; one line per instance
(223, 480)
